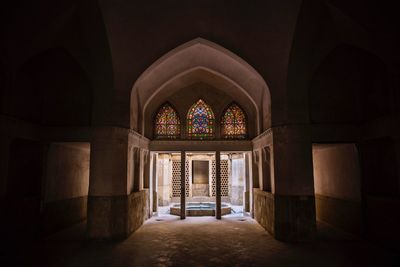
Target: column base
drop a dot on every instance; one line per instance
(155, 201)
(295, 218)
(246, 200)
(287, 218)
(116, 217)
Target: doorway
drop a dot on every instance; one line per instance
(200, 183)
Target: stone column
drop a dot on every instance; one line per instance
(255, 182)
(154, 182)
(108, 189)
(146, 170)
(114, 211)
(183, 185)
(218, 184)
(293, 185)
(246, 193)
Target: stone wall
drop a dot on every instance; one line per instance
(116, 217)
(287, 218)
(107, 217)
(264, 209)
(383, 218)
(294, 218)
(138, 205)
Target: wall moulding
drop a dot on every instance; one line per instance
(193, 145)
(262, 140)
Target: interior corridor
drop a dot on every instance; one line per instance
(205, 241)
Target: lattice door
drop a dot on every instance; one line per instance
(213, 172)
(224, 178)
(176, 178)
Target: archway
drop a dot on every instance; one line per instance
(201, 69)
(205, 61)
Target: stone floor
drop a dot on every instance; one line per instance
(204, 241)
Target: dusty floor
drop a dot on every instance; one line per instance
(204, 241)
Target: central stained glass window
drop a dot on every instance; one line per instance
(233, 123)
(167, 123)
(200, 121)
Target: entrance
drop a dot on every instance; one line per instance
(200, 180)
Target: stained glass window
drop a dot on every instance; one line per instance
(233, 122)
(200, 121)
(167, 123)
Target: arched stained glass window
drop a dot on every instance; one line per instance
(233, 122)
(200, 121)
(167, 123)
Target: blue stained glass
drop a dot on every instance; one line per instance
(200, 121)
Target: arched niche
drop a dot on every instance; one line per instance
(349, 86)
(52, 89)
(200, 61)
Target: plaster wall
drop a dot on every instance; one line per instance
(336, 171)
(67, 174)
(337, 186)
(67, 182)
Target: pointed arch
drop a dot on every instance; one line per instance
(200, 121)
(200, 55)
(167, 124)
(234, 122)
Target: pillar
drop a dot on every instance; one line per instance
(108, 187)
(114, 211)
(154, 182)
(146, 169)
(293, 185)
(183, 185)
(218, 184)
(255, 181)
(246, 193)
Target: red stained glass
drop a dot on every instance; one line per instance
(167, 123)
(200, 121)
(233, 123)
